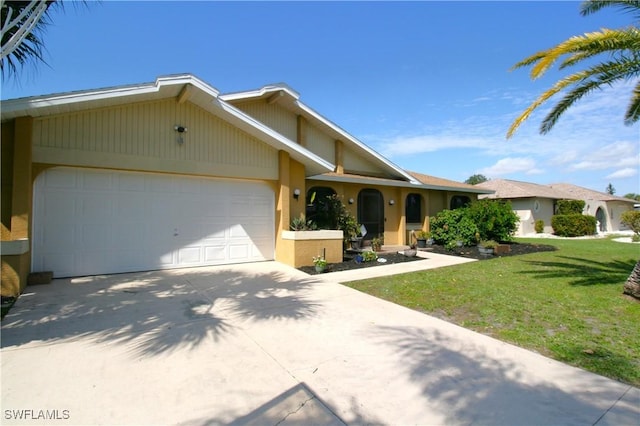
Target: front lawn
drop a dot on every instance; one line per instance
(566, 304)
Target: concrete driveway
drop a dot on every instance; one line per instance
(266, 344)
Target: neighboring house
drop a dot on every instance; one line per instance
(538, 202)
(605, 207)
(174, 174)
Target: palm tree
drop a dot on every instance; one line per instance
(22, 24)
(622, 47)
(622, 62)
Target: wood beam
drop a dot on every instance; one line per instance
(339, 149)
(185, 93)
(301, 130)
(274, 98)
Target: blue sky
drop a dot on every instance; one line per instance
(427, 84)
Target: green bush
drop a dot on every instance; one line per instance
(449, 226)
(331, 213)
(495, 219)
(573, 225)
(566, 207)
(631, 218)
(539, 226)
(369, 256)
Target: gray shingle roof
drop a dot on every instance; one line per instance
(506, 189)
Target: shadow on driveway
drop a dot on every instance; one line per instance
(154, 312)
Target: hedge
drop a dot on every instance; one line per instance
(573, 225)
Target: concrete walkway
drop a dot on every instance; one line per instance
(265, 344)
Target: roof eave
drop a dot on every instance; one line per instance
(392, 183)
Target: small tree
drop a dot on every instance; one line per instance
(631, 218)
(476, 179)
(610, 189)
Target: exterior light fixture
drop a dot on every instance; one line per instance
(351, 201)
(296, 193)
(181, 130)
(391, 202)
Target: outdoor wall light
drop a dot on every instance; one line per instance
(351, 201)
(296, 193)
(181, 130)
(391, 202)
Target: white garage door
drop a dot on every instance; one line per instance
(89, 222)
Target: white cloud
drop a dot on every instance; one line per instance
(512, 165)
(623, 173)
(614, 155)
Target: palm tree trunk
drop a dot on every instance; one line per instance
(632, 286)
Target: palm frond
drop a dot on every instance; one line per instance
(595, 42)
(627, 39)
(590, 80)
(19, 49)
(592, 6)
(545, 96)
(632, 114)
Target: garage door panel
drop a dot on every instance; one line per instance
(190, 255)
(95, 208)
(97, 181)
(96, 236)
(215, 253)
(61, 178)
(239, 252)
(94, 222)
(58, 209)
(131, 183)
(62, 235)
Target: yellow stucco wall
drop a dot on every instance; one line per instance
(16, 202)
(299, 248)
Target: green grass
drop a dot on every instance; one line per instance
(566, 304)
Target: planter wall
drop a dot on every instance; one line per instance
(502, 248)
(300, 247)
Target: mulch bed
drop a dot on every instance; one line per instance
(349, 262)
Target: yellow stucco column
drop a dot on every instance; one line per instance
(16, 258)
(284, 195)
(21, 197)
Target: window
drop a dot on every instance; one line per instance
(413, 209)
(316, 210)
(458, 201)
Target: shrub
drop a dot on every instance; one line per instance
(369, 256)
(449, 226)
(494, 219)
(489, 244)
(566, 207)
(301, 224)
(573, 225)
(631, 218)
(331, 213)
(539, 226)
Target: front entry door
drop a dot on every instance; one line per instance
(371, 212)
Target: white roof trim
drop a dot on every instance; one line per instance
(399, 183)
(22, 106)
(357, 142)
(251, 94)
(37, 102)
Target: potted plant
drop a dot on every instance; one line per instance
(487, 247)
(376, 243)
(423, 237)
(320, 263)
